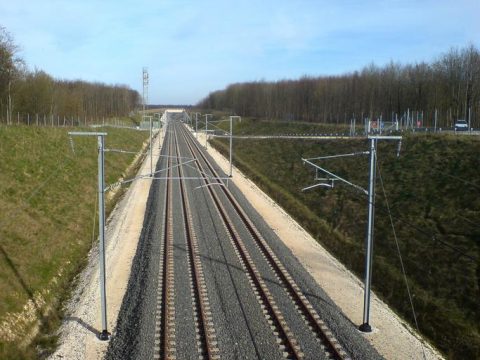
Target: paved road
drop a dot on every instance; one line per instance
(240, 320)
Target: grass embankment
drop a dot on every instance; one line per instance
(433, 190)
(47, 201)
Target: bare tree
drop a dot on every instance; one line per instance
(449, 84)
(10, 66)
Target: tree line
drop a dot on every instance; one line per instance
(448, 87)
(36, 93)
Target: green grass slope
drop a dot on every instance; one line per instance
(47, 201)
(433, 190)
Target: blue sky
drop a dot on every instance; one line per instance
(194, 47)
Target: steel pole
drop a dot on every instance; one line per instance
(160, 132)
(206, 130)
(101, 232)
(365, 327)
(164, 128)
(151, 148)
(196, 125)
(469, 120)
(231, 137)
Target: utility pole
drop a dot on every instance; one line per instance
(469, 120)
(231, 137)
(145, 102)
(101, 229)
(231, 119)
(151, 148)
(206, 129)
(365, 326)
(164, 126)
(145, 88)
(104, 335)
(196, 125)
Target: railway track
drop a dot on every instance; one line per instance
(165, 333)
(165, 346)
(217, 286)
(288, 343)
(206, 337)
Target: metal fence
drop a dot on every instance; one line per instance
(60, 121)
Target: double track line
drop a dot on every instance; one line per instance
(165, 344)
(206, 342)
(206, 337)
(286, 339)
(332, 347)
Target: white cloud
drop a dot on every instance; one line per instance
(203, 45)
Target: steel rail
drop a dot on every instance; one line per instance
(165, 347)
(206, 341)
(288, 343)
(318, 326)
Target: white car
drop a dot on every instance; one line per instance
(461, 125)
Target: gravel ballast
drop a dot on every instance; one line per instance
(242, 330)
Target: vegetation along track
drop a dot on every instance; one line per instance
(288, 343)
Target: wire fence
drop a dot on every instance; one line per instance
(51, 120)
